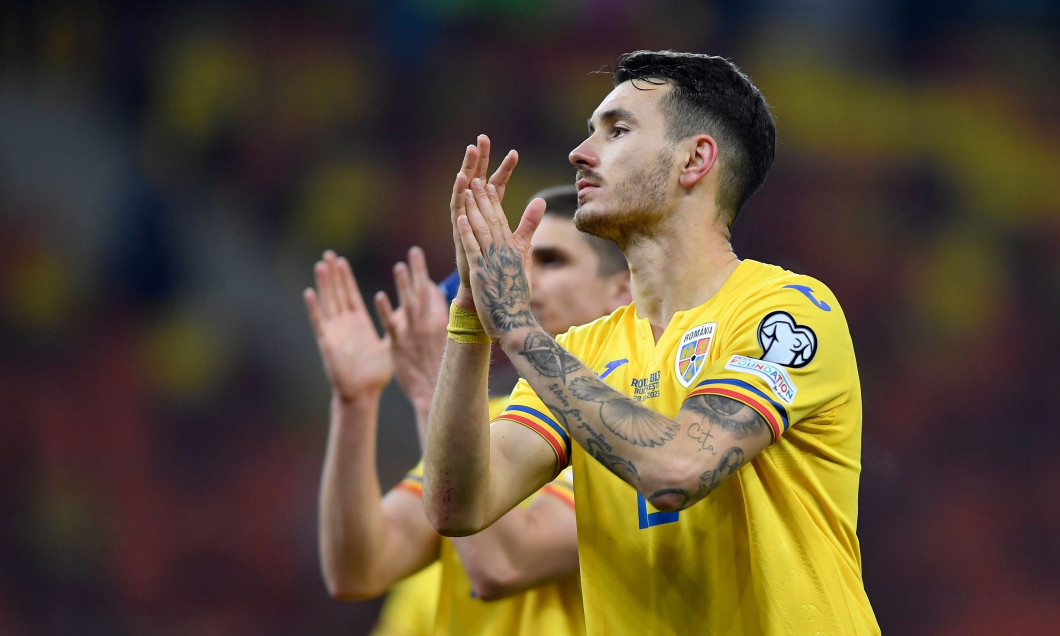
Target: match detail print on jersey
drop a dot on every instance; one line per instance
(692, 352)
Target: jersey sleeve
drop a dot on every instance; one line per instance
(526, 408)
(786, 353)
(413, 481)
(562, 486)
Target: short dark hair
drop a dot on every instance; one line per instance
(562, 201)
(711, 95)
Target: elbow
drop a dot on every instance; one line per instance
(353, 593)
(450, 526)
(349, 589)
(448, 520)
(668, 500)
(674, 490)
(494, 583)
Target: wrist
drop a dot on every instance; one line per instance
(364, 397)
(465, 327)
(514, 341)
(464, 299)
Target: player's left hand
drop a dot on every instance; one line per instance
(498, 259)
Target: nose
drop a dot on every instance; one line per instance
(583, 156)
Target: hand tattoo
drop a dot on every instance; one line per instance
(506, 291)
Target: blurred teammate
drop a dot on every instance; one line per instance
(716, 420)
(368, 543)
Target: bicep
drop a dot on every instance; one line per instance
(521, 462)
(723, 434)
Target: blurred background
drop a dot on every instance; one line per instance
(169, 173)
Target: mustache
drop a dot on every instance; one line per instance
(589, 176)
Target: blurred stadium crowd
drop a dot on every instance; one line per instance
(169, 172)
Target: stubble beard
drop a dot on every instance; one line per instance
(640, 203)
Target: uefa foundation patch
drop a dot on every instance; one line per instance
(776, 377)
(692, 352)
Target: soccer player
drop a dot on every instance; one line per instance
(716, 420)
(367, 543)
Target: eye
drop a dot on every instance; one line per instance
(548, 259)
(618, 131)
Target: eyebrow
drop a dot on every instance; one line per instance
(611, 115)
(548, 252)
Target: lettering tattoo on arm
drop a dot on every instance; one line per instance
(504, 285)
(595, 445)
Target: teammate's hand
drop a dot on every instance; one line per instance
(357, 361)
(416, 328)
(498, 260)
(475, 165)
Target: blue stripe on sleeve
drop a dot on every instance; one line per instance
(744, 385)
(547, 420)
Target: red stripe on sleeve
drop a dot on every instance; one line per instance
(762, 409)
(564, 494)
(557, 446)
(412, 487)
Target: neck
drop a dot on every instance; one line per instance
(681, 265)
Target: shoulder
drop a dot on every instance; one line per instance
(771, 283)
(790, 317)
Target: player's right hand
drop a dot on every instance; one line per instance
(357, 361)
(476, 163)
(416, 328)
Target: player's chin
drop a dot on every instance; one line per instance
(591, 220)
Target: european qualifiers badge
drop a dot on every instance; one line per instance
(692, 352)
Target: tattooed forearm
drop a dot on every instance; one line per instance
(622, 416)
(728, 464)
(623, 468)
(505, 289)
(727, 414)
(547, 357)
(595, 444)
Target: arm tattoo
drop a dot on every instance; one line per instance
(596, 445)
(547, 357)
(506, 291)
(632, 422)
(727, 414)
(729, 463)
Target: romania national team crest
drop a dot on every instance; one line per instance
(692, 352)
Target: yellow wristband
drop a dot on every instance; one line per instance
(464, 326)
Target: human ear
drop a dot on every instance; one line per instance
(701, 159)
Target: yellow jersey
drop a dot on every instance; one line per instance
(773, 550)
(410, 605)
(553, 609)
